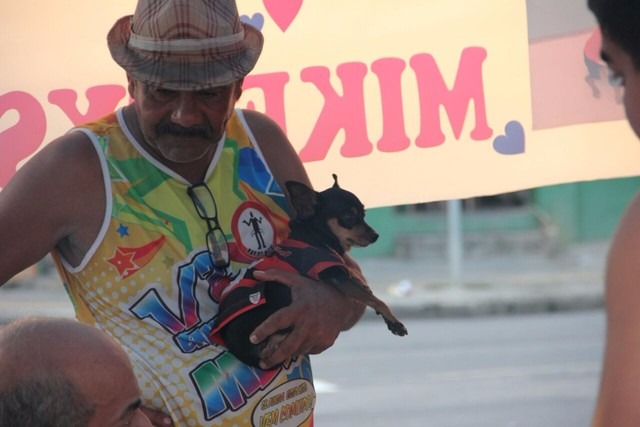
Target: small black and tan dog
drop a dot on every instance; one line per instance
(326, 226)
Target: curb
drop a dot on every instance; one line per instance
(494, 300)
(503, 292)
(492, 308)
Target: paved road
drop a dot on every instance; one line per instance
(515, 371)
(511, 371)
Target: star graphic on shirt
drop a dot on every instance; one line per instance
(123, 261)
(168, 262)
(123, 230)
(129, 260)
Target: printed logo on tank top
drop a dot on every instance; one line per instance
(253, 229)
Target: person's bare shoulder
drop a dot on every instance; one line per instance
(626, 241)
(56, 199)
(281, 157)
(264, 126)
(618, 386)
(69, 164)
(623, 268)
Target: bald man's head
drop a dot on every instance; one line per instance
(36, 347)
(71, 360)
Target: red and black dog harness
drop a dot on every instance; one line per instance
(291, 255)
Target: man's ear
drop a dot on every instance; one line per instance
(131, 86)
(238, 88)
(302, 198)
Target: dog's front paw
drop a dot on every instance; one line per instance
(397, 328)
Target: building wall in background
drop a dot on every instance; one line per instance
(559, 215)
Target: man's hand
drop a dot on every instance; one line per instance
(317, 314)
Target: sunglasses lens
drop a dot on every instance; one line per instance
(218, 248)
(204, 202)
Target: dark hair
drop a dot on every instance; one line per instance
(45, 402)
(620, 21)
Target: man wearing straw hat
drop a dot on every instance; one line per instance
(144, 209)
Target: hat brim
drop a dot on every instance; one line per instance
(184, 73)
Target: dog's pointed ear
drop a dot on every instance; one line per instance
(302, 198)
(335, 181)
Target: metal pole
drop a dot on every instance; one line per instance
(455, 244)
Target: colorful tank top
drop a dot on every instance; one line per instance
(147, 280)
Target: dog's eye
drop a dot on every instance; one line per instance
(348, 220)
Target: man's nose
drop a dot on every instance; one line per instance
(185, 111)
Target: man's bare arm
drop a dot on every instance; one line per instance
(55, 199)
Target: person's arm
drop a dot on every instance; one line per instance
(49, 202)
(56, 200)
(318, 312)
(620, 380)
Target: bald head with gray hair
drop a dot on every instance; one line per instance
(59, 372)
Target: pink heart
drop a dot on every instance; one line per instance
(283, 12)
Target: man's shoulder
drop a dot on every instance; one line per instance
(279, 153)
(260, 123)
(70, 161)
(74, 148)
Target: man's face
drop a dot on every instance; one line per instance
(183, 126)
(625, 73)
(115, 395)
(105, 378)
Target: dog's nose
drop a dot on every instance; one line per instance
(374, 236)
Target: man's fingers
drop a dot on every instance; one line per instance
(279, 320)
(313, 316)
(285, 350)
(284, 317)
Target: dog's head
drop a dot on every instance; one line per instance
(335, 211)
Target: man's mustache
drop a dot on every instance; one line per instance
(203, 131)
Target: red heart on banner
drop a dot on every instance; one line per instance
(283, 12)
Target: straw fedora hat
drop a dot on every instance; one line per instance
(185, 44)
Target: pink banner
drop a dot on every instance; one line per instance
(408, 101)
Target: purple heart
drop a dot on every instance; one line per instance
(512, 142)
(257, 20)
